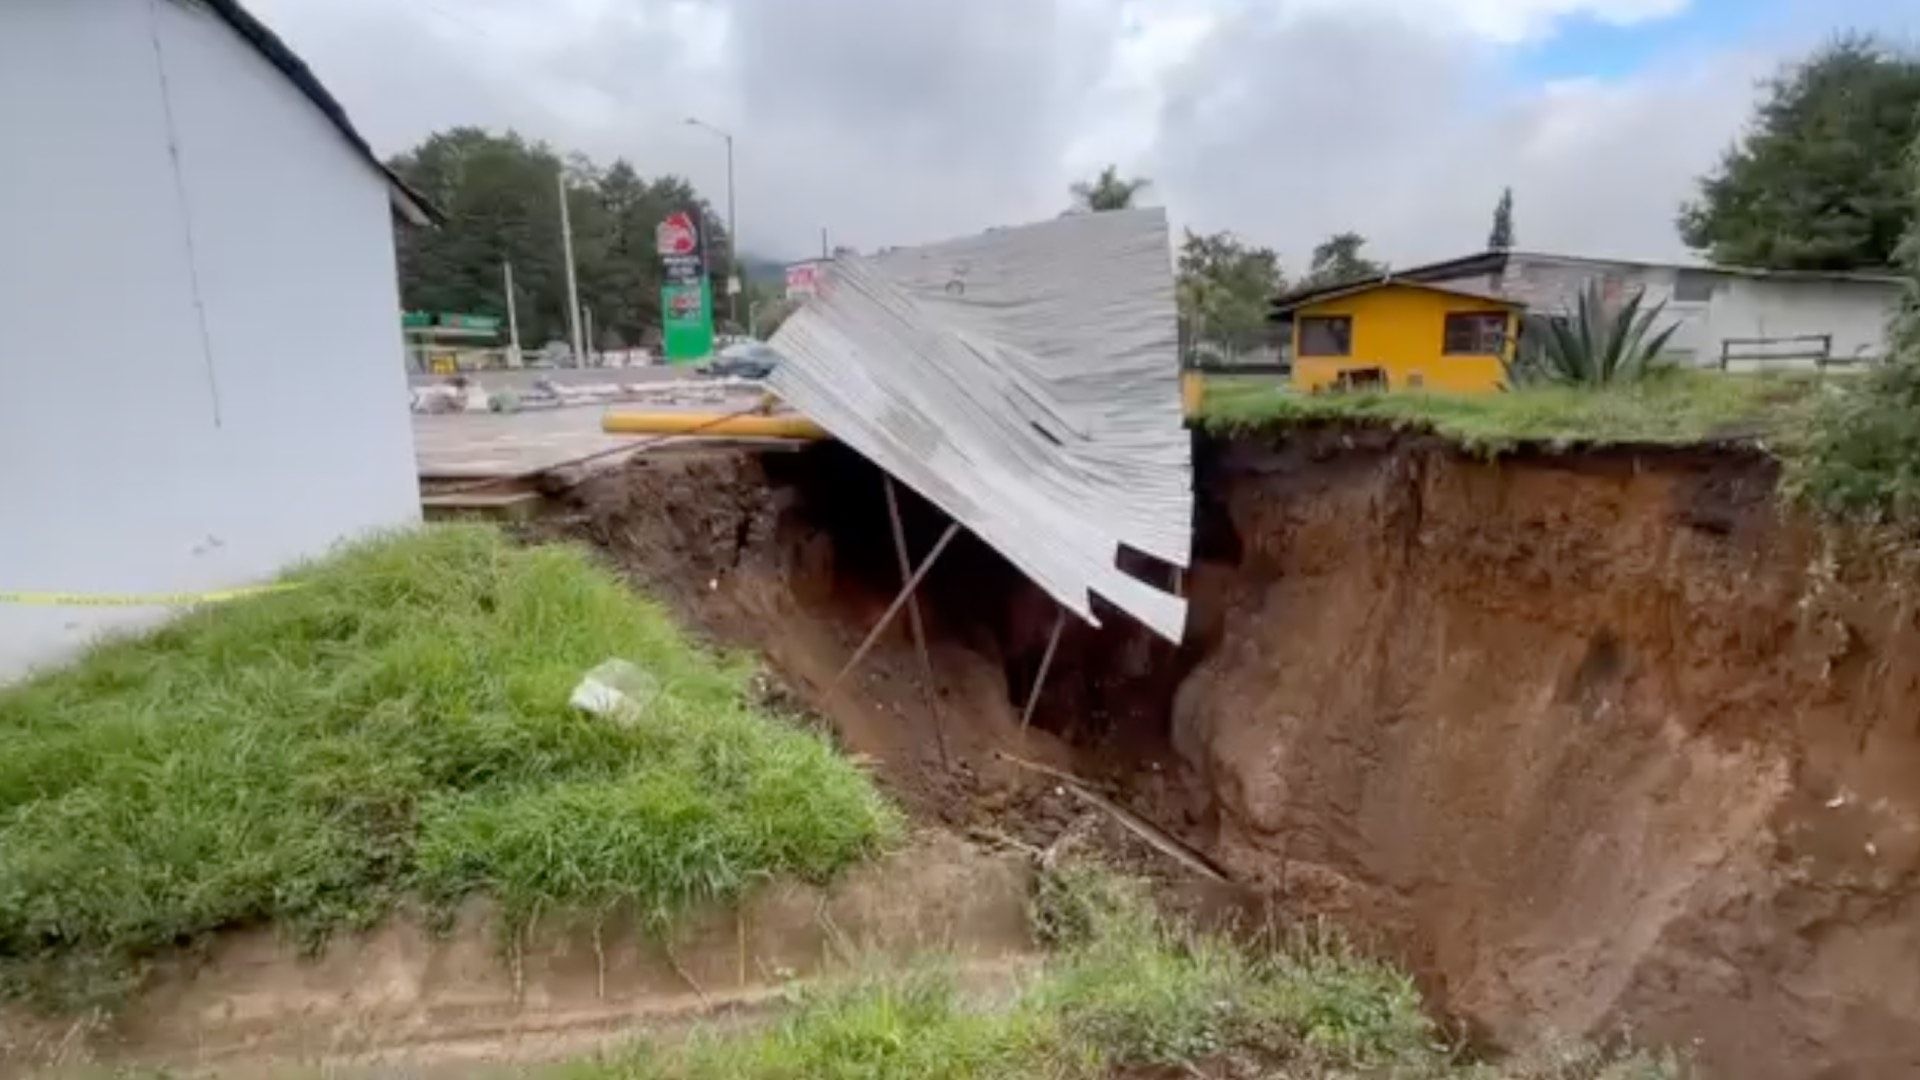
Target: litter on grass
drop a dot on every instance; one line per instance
(616, 689)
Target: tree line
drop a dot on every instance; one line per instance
(501, 198)
(1821, 181)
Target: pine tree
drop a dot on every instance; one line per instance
(1501, 238)
(1819, 182)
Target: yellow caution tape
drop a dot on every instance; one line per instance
(170, 599)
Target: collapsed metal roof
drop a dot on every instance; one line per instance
(1027, 382)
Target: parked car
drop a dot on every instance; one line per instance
(743, 360)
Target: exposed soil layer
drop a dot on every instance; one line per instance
(409, 999)
(1590, 740)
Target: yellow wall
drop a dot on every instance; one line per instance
(1399, 328)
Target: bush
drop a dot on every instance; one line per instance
(1859, 455)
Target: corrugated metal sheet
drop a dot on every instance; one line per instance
(1027, 382)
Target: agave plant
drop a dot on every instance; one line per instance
(1594, 344)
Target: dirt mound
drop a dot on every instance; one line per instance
(1589, 740)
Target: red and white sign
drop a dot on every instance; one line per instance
(677, 235)
(803, 279)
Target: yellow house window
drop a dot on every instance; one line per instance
(1475, 333)
(1326, 335)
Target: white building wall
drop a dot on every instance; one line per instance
(137, 453)
(1855, 313)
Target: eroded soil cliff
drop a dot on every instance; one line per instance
(1591, 740)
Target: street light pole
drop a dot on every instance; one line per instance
(733, 234)
(573, 285)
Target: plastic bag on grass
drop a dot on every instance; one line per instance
(616, 689)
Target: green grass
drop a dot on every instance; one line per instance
(1673, 408)
(397, 727)
(1125, 992)
(1849, 444)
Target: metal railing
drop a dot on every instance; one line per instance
(1816, 349)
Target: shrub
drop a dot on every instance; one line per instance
(1858, 456)
(1595, 344)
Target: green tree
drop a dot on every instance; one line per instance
(1818, 184)
(1225, 288)
(1338, 260)
(501, 201)
(1906, 324)
(1107, 191)
(1501, 238)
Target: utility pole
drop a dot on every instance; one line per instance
(587, 317)
(823, 241)
(733, 248)
(513, 317)
(733, 227)
(573, 285)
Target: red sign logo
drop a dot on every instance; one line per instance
(677, 235)
(685, 303)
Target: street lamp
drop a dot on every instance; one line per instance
(733, 237)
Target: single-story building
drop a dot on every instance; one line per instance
(202, 380)
(1402, 335)
(1731, 318)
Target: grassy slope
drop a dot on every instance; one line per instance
(399, 725)
(1682, 407)
(1126, 995)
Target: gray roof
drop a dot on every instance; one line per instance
(1378, 281)
(1489, 262)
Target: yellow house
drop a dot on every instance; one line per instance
(1400, 335)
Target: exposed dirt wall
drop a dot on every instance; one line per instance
(1589, 739)
(1599, 738)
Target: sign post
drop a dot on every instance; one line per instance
(686, 293)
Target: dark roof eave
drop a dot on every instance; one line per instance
(408, 203)
(1284, 308)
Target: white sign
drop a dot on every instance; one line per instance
(803, 279)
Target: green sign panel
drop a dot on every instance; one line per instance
(686, 318)
(450, 320)
(487, 324)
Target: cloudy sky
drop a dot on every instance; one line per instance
(897, 121)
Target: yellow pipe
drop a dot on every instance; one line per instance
(1193, 393)
(719, 425)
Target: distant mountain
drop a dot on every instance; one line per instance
(761, 269)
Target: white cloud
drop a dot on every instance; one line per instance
(1289, 129)
(1505, 21)
(895, 121)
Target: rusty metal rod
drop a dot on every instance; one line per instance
(1046, 661)
(899, 602)
(913, 617)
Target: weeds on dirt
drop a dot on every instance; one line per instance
(1857, 456)
(397, 726)
(1127, 994)
(1672, 407)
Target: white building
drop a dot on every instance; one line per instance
(201, 376)
(1748, 318)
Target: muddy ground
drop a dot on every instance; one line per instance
(1589, 740)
